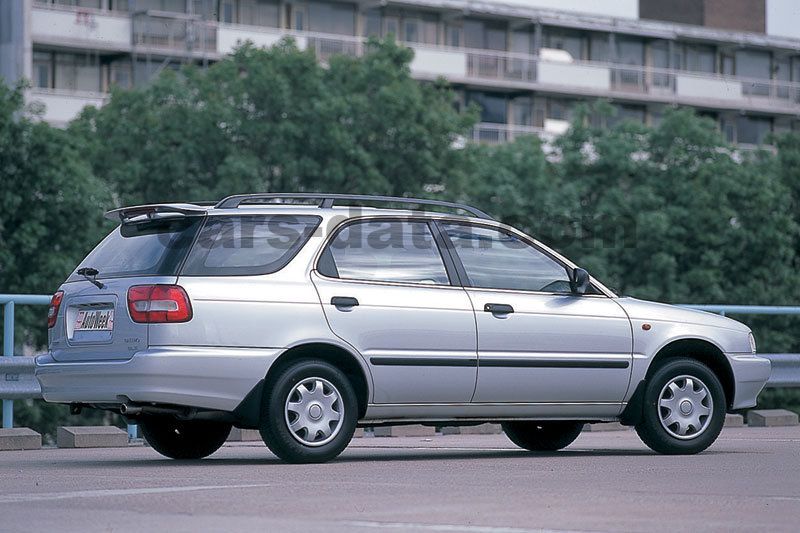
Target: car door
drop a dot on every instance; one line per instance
(537, 342)
(387, 291)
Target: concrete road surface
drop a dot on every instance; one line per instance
(749, 480)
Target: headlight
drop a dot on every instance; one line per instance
(752, 343)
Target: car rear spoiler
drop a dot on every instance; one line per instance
(140, 213)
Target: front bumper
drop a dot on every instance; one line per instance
(750, 374)
(206, 378)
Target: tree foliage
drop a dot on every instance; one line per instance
(50, 208)
(276, 119)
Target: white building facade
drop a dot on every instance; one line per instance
(526, 63)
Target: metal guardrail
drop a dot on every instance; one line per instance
(8, 301)
(746, 309)
(17, 381)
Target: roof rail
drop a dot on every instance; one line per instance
(328, 200)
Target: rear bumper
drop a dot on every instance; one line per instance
(207, 378)
(750, 374)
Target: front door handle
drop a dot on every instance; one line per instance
(498, 309)
(344, 301)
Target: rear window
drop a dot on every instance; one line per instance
(248, 244)
(153, 248)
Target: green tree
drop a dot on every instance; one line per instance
(50, 216)
(50, 208)
(276, 119)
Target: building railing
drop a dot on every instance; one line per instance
(174, 32)
(490, 133)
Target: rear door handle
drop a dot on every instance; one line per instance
(344, 301)
(498, 309)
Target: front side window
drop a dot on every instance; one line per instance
(248, 244)
(494, 259)
(393, 251)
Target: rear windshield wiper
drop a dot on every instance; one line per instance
(91, 275)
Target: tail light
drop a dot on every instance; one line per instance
(156, 304)
(52, 311)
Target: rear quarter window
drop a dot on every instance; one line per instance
(245, 245)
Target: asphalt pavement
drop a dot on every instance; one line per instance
(749, 480)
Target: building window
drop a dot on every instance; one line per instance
(43, 70)
(492, 106)
(628, 113)
(93, 4)
(453, 35)
(699, 58)
(372, 23)
(120, 73)
(755, 65)
(522, 111)
(752, 130)
(249, 12)
(77, 72)
(599, 47)
(571, 41)
(659, 59)
(412, 27)
(522, 42)
(484, 35)
(332, 18)
(559, 109)
(173, 6)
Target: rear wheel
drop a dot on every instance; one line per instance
(309, 412)
(684, 408)
(184, 439)
(542, 436)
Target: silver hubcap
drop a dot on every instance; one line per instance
(685, 407)
(314, 411)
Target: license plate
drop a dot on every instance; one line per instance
(99, 320)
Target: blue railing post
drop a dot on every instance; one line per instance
(8, 351)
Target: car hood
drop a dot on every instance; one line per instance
(644, 310)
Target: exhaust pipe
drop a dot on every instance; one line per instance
(130, 410)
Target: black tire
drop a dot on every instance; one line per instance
(543, 436)
(696, 439)
(301, 446)
(184, 439)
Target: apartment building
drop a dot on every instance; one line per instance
(526, 63)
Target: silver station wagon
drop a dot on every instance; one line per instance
(307, 315)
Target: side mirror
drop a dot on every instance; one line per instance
(579, 281)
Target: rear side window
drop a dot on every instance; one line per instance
(248, 244)
(396, 251)
(153, 248)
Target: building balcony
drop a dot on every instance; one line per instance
(169, 33)
(80, 28)
(508, 70)
(61, 106)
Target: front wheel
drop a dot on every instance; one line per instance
(684, 408)
(542, 436)
(184, 439)
(309, 412)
